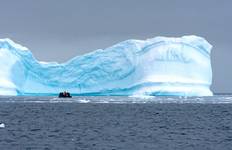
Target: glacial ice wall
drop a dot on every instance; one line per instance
(157, 66)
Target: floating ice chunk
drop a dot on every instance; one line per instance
(2, 125)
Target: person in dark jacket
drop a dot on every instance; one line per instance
(64, 95)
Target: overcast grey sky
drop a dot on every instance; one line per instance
(57, 30)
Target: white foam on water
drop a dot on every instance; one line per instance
(84, 101)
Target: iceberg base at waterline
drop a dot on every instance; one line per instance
(156, 66)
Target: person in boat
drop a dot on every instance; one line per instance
(65, 94)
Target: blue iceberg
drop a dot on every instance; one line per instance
(157, 66)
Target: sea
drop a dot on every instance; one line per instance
(116, 123)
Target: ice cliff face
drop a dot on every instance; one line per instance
(157, 66)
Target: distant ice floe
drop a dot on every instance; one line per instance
(216, 99)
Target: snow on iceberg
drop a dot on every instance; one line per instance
(157, 66)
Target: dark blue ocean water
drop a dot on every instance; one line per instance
(115, 123)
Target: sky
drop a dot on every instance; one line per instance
(57, 30)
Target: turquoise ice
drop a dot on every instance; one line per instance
(156, 66)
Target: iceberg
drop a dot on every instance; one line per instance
(157, 66)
